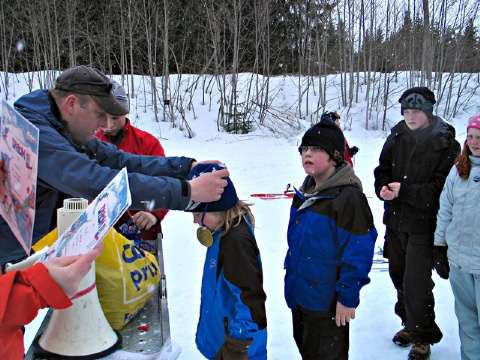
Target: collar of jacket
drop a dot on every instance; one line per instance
(343, 176)
(438, 133)
(115, 140)
(474, 160)
(310, 200)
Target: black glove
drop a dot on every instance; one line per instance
(233, 349)
(353, 150)
(440, 261)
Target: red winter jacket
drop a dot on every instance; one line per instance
(138, 142)
(22, 294)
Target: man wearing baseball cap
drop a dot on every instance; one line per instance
(73, 163)
(90, 81)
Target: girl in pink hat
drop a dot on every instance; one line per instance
(457, 239)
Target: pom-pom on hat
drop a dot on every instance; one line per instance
(121, 95)
(328, 136)
(331, 115)
(228, 198)
(89, 81)
(418, 98)
(474, 122)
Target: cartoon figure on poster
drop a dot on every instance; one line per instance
(18, 170)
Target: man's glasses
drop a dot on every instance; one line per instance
(304, 149)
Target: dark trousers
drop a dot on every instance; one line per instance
(410, 259)
(318, 337)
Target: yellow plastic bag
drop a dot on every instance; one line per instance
(47, 240)
(126, 276)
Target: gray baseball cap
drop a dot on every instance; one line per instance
(89, 81)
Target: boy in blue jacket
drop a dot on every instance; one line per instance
(331, 239)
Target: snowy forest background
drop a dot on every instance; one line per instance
(366, 44)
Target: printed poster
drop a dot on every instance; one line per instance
(96, 220)
(18, 171)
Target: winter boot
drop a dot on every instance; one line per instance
(419, 351)
(402, 338)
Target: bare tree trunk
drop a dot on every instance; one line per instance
(427, 45)
(263, 54)
(233, 114)
(386, 66)
(442, 26)
(357, 72)
(131, 46)
(366, 40)
(167, 103)
(322, 51)
(5, 50)
(70, 20)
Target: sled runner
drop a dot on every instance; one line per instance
(287, 194)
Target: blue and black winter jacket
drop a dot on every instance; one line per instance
(233, 300)
(331, 238)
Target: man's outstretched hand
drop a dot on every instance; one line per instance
(208, 187)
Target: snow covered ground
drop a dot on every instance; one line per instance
(261, 162)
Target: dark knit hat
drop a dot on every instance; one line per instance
(329, 137)
(89, 81)
(229, 196)
(331, 115)
(418, 98)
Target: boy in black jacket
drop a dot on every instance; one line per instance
(415, 161)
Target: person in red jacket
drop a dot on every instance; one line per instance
(24, 292)
(119, 131)
(349, 151)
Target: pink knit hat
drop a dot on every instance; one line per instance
(474, 122)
